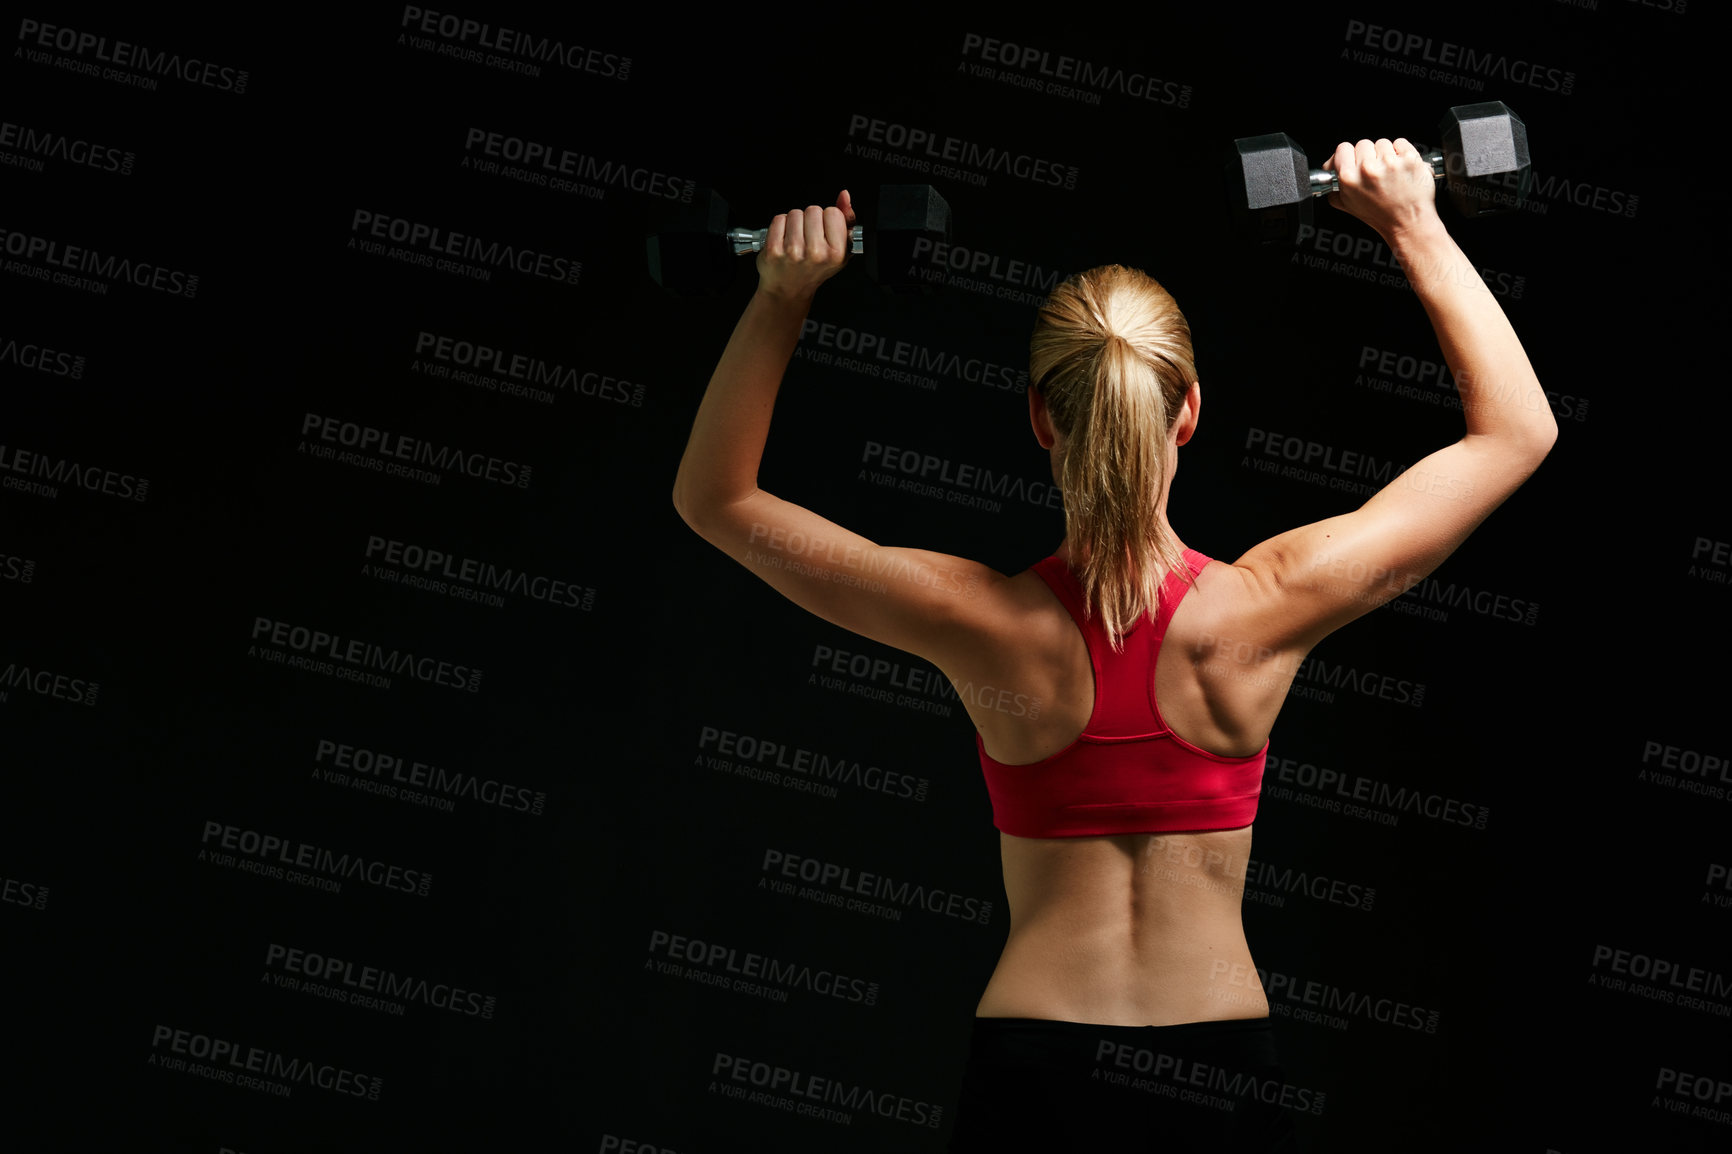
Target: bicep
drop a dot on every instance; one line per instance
(1306, 583)
(916, 600)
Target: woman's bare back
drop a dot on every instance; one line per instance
(1137, 929)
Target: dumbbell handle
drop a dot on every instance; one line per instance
(747, 240)
(1324, 182)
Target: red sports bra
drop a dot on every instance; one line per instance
(1127, 772)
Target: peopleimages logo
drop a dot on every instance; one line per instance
(253, 1067)
(35, 145)
(15, 677)
(399, 776)
(1327, 243)
(283, 858)
(370, 987)
(518, 374)
(1703, 1096)
(1056, 74)
(1424, 57)
(40, 358)
(19, 569)
(938, 154)
(562, 169)
(351, 658)
(136, 64)
(1324, 1003)
(30, 895)
(467, 578)
(1660, 979)
(48, 472)
(508, 49)
(390, 447)
(78, 266)
(1003, 278)
(811, 1095)
(783, 870)
(1197, 1083)
(754, 755)
(889, 353)
(372, 230)
(1432, 381)
(941, 470)
(1355, 795)
(749, 972)
(1690, 770)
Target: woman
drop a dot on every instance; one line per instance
(1126, 982)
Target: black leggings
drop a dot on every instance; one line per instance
(1033, 1084)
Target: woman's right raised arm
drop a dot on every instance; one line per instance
(1306, 583)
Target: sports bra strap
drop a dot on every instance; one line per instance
(1059, 576)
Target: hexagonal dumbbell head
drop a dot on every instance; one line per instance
(911, 220)
(1269, 187)
(691, 254)
(1485, 155)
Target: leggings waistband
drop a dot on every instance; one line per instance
(1238, 1041)
(1223, 1025)
(1061, 1087)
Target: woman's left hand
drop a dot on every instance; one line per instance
(802, 250)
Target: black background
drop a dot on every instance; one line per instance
(113, 928)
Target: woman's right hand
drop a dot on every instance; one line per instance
(802, 250)
(1385, 183)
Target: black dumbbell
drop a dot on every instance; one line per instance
(695, 252)
(1483, 161)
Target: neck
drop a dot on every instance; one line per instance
(1064, 549)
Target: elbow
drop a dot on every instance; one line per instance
(686, 506)
(705, 505)
(1545, 436)
(685, 502)
(1537, 441)
(698, 508)
(1535, 434)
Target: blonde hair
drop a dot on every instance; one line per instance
(1111, 356)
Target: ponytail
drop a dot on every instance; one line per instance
(1111, 355)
